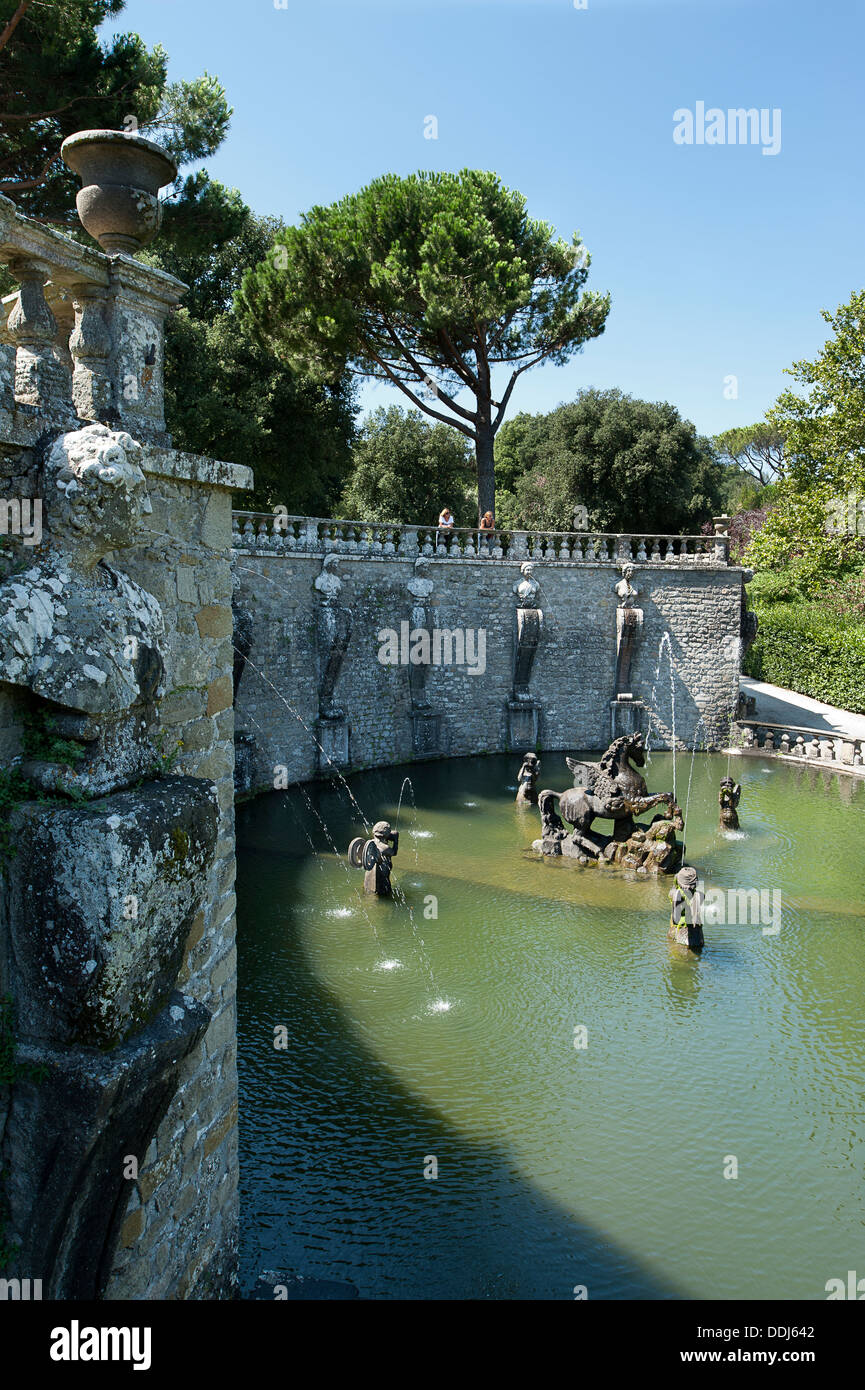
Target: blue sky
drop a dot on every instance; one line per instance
(718, 257)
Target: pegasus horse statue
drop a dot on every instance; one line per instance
(613, 790)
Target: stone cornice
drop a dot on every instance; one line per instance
(195, 468)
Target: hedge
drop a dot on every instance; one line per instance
(802, 647)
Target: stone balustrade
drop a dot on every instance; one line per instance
(843, 752)
(82, 336)
(277, 533)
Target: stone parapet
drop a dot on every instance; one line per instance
(280, 534)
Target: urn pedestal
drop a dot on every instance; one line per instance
(523, 721)
(425, 732)
(626, 716)
(334, 754)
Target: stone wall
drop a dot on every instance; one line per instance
(573, 676)
(82, 342)
(179, 1237)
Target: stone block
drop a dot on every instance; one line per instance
(215, 620)
(220, 694)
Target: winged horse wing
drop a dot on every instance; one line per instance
(585, 774)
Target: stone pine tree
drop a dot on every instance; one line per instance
(440, 284)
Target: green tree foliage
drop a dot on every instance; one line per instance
(633, 465)
(230, 398)
(814, 523)
(825, 427)
(226, 396)
(431, 282)
(406, 470)
(56, 77)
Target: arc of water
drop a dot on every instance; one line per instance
(688, 794)
(317, 857)
(408, 783)
(665, 640)
(303, 723)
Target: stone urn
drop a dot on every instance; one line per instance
(121, 174)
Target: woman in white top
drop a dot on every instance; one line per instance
(446, 522)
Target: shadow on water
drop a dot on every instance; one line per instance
(333, 1148)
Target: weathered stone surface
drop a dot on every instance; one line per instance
(80, 636)
(72, 1133)
(101, 901)
(115, 345)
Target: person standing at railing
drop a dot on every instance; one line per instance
(446, 523)
(487, 524)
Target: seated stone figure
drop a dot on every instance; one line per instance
(81, 637)
(728, 800)
(686, 913)
(527, 779)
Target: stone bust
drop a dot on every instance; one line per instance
(77, 633)
(527, 589)
(627, 592)
(328, 582)
(420, 586)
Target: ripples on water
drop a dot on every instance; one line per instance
(558, 1164)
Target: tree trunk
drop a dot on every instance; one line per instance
(486, 469)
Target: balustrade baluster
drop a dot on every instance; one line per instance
(39, 375)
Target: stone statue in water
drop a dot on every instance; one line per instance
(728, 800)
(527, 777)
(376, 857)
(613, 790)
(686, 914)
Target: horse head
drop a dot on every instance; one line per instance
(629, 747)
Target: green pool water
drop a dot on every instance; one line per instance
(413, 1037)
